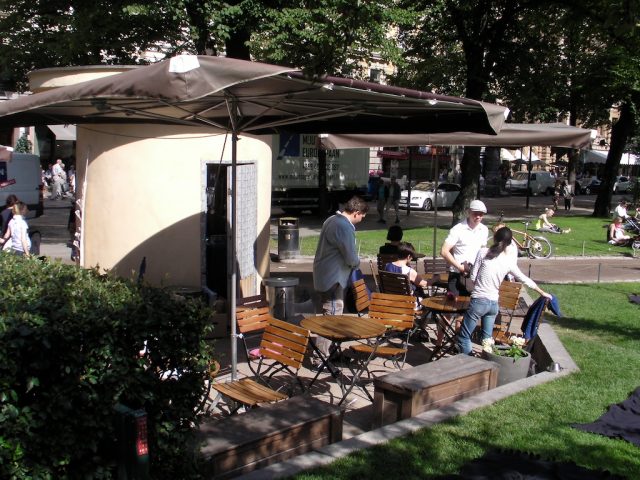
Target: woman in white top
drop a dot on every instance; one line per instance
(18, 231)
(489, 269)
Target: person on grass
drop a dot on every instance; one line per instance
(489, 269)
(617, 234)
(544, 225)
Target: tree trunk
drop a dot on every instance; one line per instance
(620, 133)
(491, 172)
(470, 168)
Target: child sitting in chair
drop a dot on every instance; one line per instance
(406, 254)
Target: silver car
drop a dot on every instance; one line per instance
(423, 196)
(623, 184)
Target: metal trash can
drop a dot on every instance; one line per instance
(288, 238)
(281, 296)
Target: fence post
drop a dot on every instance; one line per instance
(599, 267)
(583, 243)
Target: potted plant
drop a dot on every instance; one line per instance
(514, 361)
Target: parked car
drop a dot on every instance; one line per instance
(622, 184)
(593, 187)
(423, 196)
(541, 183)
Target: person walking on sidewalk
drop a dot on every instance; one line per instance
(567, 195)
(393, 198)
(335, 258)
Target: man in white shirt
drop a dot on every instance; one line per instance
(58, 174)
(621, 210)
(462, 245)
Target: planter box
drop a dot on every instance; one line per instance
(406, 393)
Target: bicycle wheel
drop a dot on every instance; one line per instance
(540, 247)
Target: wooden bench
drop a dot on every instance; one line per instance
(406, 393)
(241, 443)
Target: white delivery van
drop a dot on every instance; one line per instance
(22, 176)
(541, 183)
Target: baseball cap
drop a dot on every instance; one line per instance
(477, 206)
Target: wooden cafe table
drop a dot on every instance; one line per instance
(339, 329)
(440, 307)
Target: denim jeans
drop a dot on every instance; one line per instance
(479, 309)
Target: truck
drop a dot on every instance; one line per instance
(21, 175)
(295, 179)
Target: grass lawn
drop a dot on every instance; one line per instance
(587, 237)
(603, 341)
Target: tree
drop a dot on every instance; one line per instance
(464, 41)
(23, 145)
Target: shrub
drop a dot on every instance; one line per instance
(69, 351)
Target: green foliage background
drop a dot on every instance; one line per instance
(69, 351)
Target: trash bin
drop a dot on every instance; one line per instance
(288, 238)
(281, 296)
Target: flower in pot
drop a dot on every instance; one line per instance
(514, 361)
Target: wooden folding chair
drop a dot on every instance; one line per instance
(252, 316)
(436, 272)
(282, 348)
(508, 298)
(397, 314)
(395, 283)
(361, 296)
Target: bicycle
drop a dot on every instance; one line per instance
(533, 247)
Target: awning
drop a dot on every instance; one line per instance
(600, 156)
(511, 135)
(63, 132)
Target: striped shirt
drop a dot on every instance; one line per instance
(488, 274)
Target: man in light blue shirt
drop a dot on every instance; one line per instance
(336, 255)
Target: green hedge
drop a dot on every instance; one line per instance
(69, 351)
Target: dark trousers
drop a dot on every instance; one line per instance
(458, 284)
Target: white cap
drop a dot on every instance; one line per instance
(477, 206)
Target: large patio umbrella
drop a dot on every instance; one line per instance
(238, 96)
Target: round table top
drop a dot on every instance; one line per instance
(442, 303)
(343, 327)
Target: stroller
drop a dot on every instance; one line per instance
(633, 226)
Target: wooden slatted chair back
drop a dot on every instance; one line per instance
(508, 298)
(384, 258)
(509, 295)
(284, 343)
(394, 311)
(361, 296)
(394, 283)
(252, 314)
(435, 265)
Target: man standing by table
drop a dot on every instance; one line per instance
(462, 245)
(336, 255)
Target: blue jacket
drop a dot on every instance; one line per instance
(532, 318)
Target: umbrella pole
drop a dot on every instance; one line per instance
(436, 169)
(529, 167)
(233, 269)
